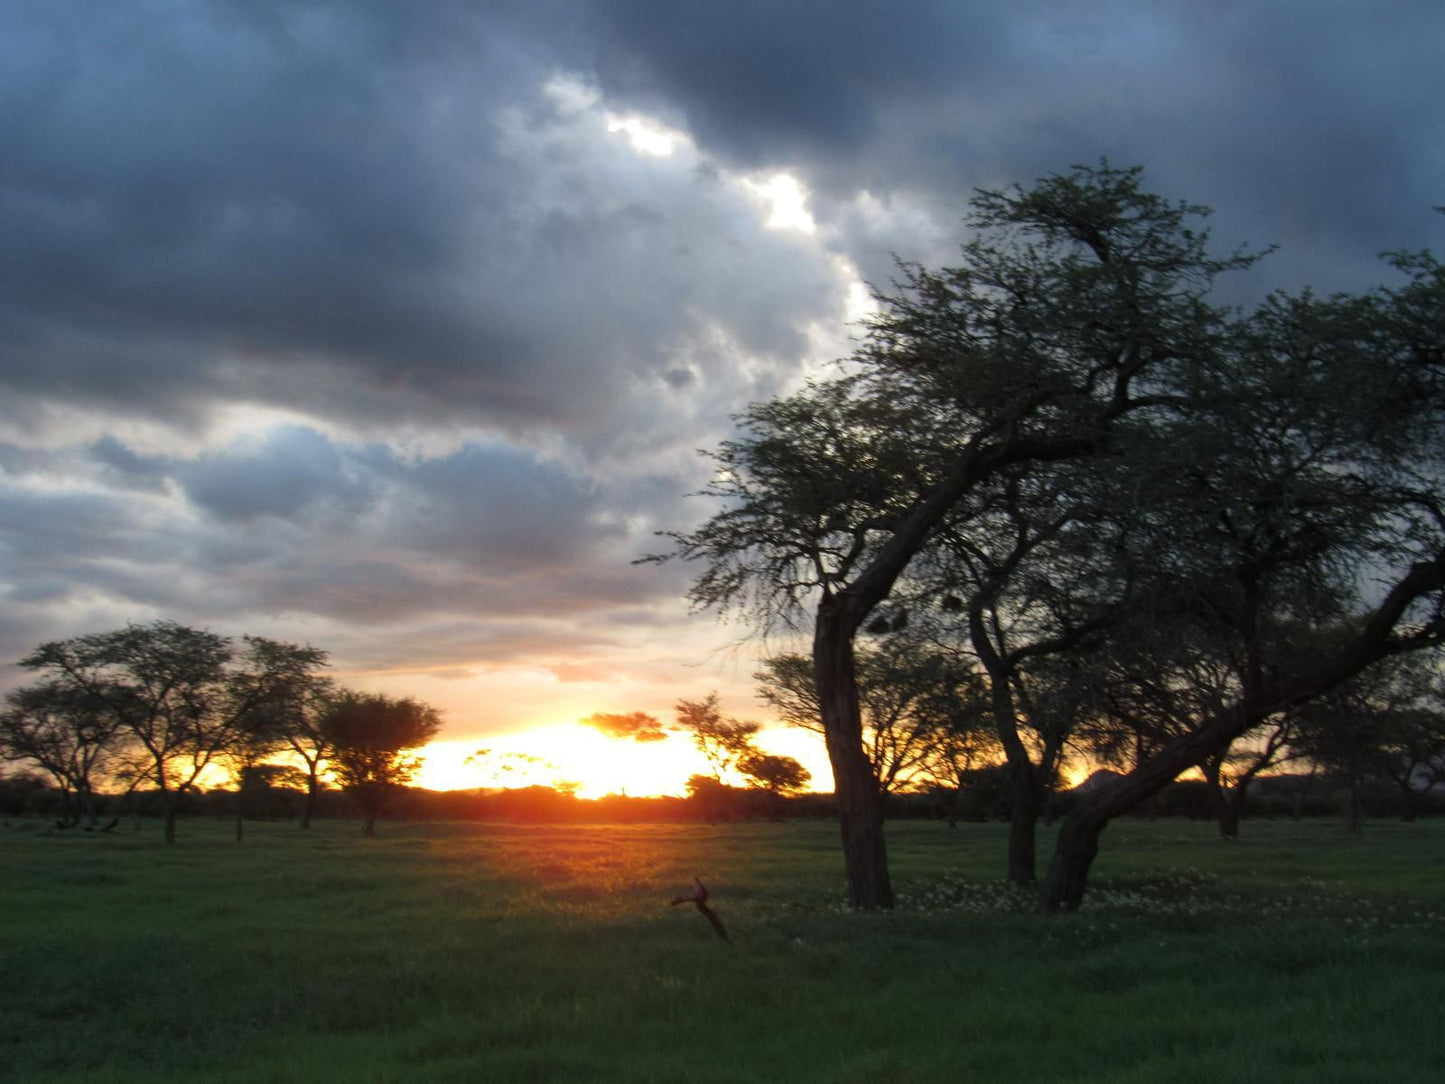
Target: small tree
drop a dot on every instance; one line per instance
(260, 735)
(901, 687)
(372, 737)
(723, 741)
(307, 738)
(778, 775)
(66, 733)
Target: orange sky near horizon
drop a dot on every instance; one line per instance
(571, 753)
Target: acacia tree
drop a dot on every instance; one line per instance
(372, 737)
(1028, 585)
(260, 734)
(66, 733)
(1079, 304)
(722, 740)
(305, 734)
(180, 693)
(778, 775)
(1078, 329)
(1328, 437)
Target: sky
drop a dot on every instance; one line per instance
(396, 328)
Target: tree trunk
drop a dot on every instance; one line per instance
(1232, 813)
(1212, 769)
(955, 806)
(1077, 846)
(368, 830)
(1303, 793)
(308, 805)
(1234, 801)
(1022, 832)
(865, 856)
(1354, 810)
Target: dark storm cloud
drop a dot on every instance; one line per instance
(1315, 125)
(346, 317)
(364, 213)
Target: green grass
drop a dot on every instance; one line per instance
(443, 952)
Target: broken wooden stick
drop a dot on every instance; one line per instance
(700, 899)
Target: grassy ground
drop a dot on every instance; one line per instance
(498, 953)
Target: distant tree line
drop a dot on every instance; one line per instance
(127, 722)
(1376, 745)
(146, 711)
(1107, 513)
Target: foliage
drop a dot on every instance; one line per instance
(177, 698)
(916, 704)
(67, 733)
(1066, 444)
(371, 737)
(777, 775)
(722, 740)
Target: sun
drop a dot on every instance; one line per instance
(567, 754)
(588, 762)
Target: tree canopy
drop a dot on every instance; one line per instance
(1069, 445)
(372, 737)
(175, 698)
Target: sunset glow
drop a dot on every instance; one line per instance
(572, 754)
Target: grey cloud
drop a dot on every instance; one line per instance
(348, 211)
(293, 470)
(376, 218)
(1320, 130)
(124, 468)
(294, 523)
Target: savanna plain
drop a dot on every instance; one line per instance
(489, 952)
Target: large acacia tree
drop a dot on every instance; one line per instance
(1078, 310)
(1291, 454)
(1314, 506)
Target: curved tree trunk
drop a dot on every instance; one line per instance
(1079, 837)
(860, 809)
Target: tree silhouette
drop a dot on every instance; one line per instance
(722, 741)
(181, 695)
(1292, 453)
(372, 737)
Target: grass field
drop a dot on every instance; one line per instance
(461, 952)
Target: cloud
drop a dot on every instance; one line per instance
(396, 328)
(335, 212)
(637, 726)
